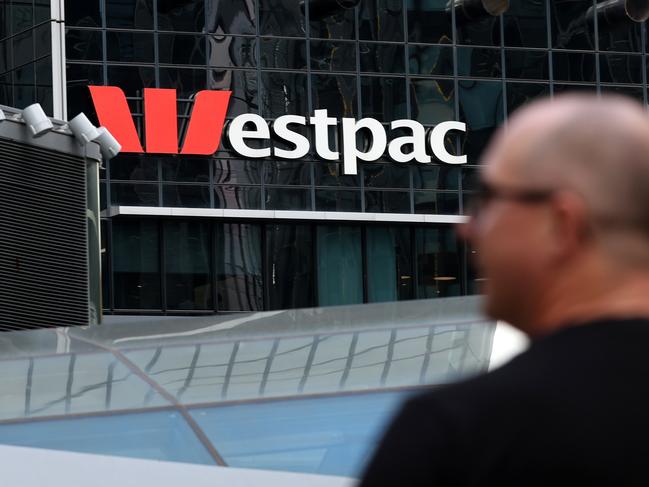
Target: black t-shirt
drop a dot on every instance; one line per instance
(571, 410)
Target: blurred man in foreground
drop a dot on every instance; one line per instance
(561, 226)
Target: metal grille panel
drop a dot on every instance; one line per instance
(43, 238)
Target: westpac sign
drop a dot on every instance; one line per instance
(412, 142)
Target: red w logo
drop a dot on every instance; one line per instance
(161, 120)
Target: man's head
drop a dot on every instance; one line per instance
(563, 215)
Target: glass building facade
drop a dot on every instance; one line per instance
(385, 59)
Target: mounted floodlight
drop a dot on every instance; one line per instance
(613, 14)
(320, 9)
(2, 116)
(83, 129)
(36, 120)
(107, 143)
(467, 11)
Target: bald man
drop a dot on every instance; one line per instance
(561, 228)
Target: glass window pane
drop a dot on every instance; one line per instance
(79, 76)
(518, 94)
(280, 18)
(483, 32)
(133, 168)
(331, 174)
(429, 22)
(283, 53)
(242, 83)
(620, 68)
(129, 47)
(387, 201)
(289, 266)
(237, 197)
(185, 169)
(82, 14)
(228, 51)
(237, 172)
(230, 17)
(432, 101)
(333, 23)
(239, 283)
(438, 262)
(481, 62)
(386, 175)
(83, 45)
(435, 177)
(336, 93)
(329, 55)
(280, 172)
(187, 16)
(186, 196)
(134, 194)
(481, 108)
(526, 64)
(381, 20)
(128, 14)
(389, 264)
(283, 93)
(382, 58)
(432, 202)
(383, 98)
(162, 435)
(181, 49)
(334, 200)
(187, 81)
(525, 24)
(187, 265)
(288, 199)
(340, 265)
(573, 66)
(136, 266)
(566, 33)
(430, 60)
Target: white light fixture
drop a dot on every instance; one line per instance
(108, 144)
(83, 129)
(36, 120)
(2, 116)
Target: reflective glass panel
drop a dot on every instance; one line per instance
(327, 55)
(283, 94)
(136, 266)
(331, 436)
(432, 202)
(133, 167)
(181, 49)
(526, 64)
(289, 266)
(340, 265)
(337, 200)
(525, 24)
(283, 53)
(186, 196)
(239, 283)
(430, 60)
(228, 51)
(288, 199)
(382, 58)
(230, 17)
(438, 262)
(389, 264)
(162, 435)
(134, 194)
(129, 47)
(237, 197)
(387, 201)
(383, 98)
(428, 21)
(187, 265)
(432, 101)
(381, 20)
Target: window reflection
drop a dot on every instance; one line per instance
(288, 199)
(283, 53)
(525, 24)
(428, 21)
(129, 14)
(337, 200)
(186, 196)
(481, 108)
(430, 60)
(181, 49)
(569, 29)
(281, 18)
(187, 268)
(382, 20)
(283, 93)
(574, 66)
(237, 197)
(381, 58)
(333, 56)
(238, 262)
(336, 93)
(383, 98)
(230, 16)
(390, 274)
(438, 263)
(136, 267)
(289, 261)
(129, 47)
(432, 101)
(340, 273)
(387, 201)
(187, 16)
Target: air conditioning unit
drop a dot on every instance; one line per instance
(49, 224)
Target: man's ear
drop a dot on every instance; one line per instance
(570, 224)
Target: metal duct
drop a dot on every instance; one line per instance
(613, 14)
